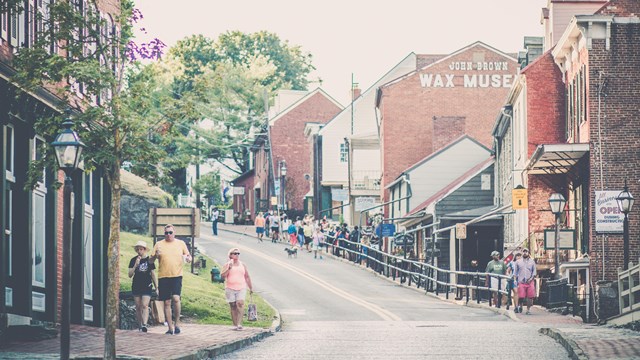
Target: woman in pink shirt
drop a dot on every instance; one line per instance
(237, 280)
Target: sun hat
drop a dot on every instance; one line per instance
(141, 243)
(495, 253)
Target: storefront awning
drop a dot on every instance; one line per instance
(549, 159)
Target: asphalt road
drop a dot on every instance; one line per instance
(334, 310)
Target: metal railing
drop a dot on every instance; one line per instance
(628, 288)
(365, 179)
(466, 285)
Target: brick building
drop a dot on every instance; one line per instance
(288, 148)
(456, 95)
(31, 224)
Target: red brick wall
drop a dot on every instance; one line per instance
(447, 129)
(408, 109)
(620, 137)
(545, 103)
(288, 143)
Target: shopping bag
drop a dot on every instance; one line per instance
(252, 310)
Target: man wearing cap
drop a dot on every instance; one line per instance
(170, 254)
(144, 280)
(525, 271)
(496, 266)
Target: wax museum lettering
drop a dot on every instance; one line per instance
(470, 80)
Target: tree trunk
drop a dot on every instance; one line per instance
(113, 266)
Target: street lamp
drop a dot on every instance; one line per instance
(557, 203)
(283, 174)
(625, 203)
(68, 149)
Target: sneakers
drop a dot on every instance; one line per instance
(528, 312)
(143, 328)
(169, 332)
(177, 331)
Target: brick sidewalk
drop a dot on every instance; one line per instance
(195, 342)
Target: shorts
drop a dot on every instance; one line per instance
(307, 240)
(527, 290)
(275, 229)
(494, 284)
(259, 230)
(168, 287)
(235, 295)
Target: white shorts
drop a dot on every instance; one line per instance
(503, 284)
(235, 295)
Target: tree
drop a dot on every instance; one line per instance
(81, 55)
(225, 82)
(209, 186)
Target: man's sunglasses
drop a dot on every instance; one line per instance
(168, 232)
(235, 253)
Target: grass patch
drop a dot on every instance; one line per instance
(203, 302)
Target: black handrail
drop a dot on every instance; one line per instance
(431, 277)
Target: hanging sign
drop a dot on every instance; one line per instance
(609, 218)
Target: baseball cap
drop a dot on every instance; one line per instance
(525, 249)
(495, 253)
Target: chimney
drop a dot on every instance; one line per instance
(355, 91)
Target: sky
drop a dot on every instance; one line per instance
(362, 39)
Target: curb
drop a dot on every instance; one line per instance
(574, 350)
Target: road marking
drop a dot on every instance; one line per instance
(383, 313)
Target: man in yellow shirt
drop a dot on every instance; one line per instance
(170, 254)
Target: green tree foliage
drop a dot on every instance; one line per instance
(215, 92)
(81, 55)
(209, 186)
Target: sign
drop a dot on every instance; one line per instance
(567, 239)
(362, 203)
(276, 187)
(238, 190)
(185, 221)
(404, 239)
(609, 218)
(339, 194)
(519, 199)
(388, 229)
(461, 231)
(500, 76)
(274, 200)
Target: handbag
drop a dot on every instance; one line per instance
(252, 310)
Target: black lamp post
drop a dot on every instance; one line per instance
(625, 203)
(283, 176)
(68, 149)
(557, 204)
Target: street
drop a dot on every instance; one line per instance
(332, 309)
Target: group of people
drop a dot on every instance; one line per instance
(521, 271)
(171, 253)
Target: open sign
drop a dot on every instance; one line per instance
(609, 218)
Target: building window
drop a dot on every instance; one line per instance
(8, 214)
(9, 153)
(4, 25)
(38, 220)
(344, 153)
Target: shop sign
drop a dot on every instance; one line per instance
(567, 239)
(362, 203)
(609, 218)
(238, 190)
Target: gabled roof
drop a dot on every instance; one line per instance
(443, 149)
(454, 185)
(370, 88)
(244, 175)
(477, 43)
(301, 101)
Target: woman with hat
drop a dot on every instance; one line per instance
(144, 281)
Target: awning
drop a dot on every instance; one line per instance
(549, 159)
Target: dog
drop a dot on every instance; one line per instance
(291, 252)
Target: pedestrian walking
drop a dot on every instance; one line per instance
(237, 281)
(274, 224)
(293, 234)
(525, 273)
(141, 269)
(170, 253)
(260, 223)
(300, 227)
(307, 232)
(214, 220)
(317, 242)
(513, 281)
(497, 267)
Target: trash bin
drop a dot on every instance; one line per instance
(558, 294)
(215, 275)
(203, 262)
